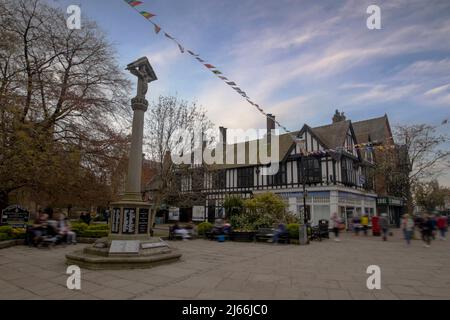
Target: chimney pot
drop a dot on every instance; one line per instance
(223, 135)
(270, 126)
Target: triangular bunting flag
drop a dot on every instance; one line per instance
(223, 78)
(217, 72)
(181, 48)
(445, 121)
(147, 15)
(133, 3)
(209, 66)
(231, 83)
(169, 36)
(157, 29)
(192, 53)
(201, 60)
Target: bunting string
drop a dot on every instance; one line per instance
(148, 16)
(232, 84)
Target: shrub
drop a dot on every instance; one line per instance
(6, 229)
(204, 227)
(261, 211)
(19, 233)
(233, 205)
(4, 236)
(99, 226)
(293, 230)
(93, 234)
(79, 227)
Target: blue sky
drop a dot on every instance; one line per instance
(299, 60)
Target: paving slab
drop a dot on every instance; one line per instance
(234, 270)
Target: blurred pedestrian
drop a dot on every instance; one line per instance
(39, 228)
(65, 231)
(281, 230)
(433, 226)
(365, 223)
(384, 225)
(427, 230)
(442, 225)
(356, 223)
(407, 227)
(336, 223)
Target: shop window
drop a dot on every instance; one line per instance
(245, 177)
(279, 178)
(309, 168)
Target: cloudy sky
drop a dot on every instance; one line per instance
(299, 60)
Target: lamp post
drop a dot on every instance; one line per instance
(303, 232)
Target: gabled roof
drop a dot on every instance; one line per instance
(373, 130)
(332, 135)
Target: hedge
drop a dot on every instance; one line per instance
(93, 234)
(90, 231)
(204, 227)
(4, 236)
(6, 229)
(98, 227)
(293, 230)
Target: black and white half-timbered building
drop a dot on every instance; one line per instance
(338, 177)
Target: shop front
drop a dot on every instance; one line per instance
(394, 207)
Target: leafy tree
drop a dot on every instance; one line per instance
(429, 195)
(263, 210)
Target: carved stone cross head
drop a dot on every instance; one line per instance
(142, 69)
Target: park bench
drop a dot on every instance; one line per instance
(266, 234)
(176, 236)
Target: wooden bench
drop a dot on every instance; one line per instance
(267, 234)
(264, 234)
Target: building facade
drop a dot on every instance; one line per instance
(328, 162)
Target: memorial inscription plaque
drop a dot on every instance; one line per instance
(129, 221)
(124, 246)
(143, 221)
(115, 220)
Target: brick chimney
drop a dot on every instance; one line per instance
(338, 116)
(270, 126)
(223, 135)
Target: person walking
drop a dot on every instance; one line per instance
(356, 223)
(365, 223)
(384, 226)
(407, 227)
(336, 225)
(442, 225)
(427, 230)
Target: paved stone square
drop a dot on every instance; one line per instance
(233, 270)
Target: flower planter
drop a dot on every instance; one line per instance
(243, 236)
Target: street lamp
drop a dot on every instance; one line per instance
(303, 232)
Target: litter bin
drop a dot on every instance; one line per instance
(376, 226)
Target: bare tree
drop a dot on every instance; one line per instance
(166, 116)
(62, 95)
(420, 153)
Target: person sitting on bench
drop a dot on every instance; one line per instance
(281, 230)
(39, 228)
(177, 230)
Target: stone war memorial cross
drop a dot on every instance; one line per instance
(129, 244)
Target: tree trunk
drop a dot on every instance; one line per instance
(4, 200)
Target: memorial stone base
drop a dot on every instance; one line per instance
(129, 244)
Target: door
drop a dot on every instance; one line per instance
(185, 214)
(211, 214)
